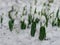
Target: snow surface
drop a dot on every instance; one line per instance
(23, 37)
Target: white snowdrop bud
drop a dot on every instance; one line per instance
(51, 18)
(36, 16)
(43, 20)
(22, 18)
(26, 22)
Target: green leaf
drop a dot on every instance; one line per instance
(1, 19)
(57, 13)
(33, 29)
(29, 19)
(36, 20)
(9, 13)
(11, 23)
(42, 34)
(58, 22)
(46, 20)
(24, 12)
(35, 11)
(53, 23)
(23, 25)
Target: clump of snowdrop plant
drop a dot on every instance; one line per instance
(23, 25)
(22, 22)
(33, 21)
(11, 21)
(56, 21)
(24, 12)
(29, 18)
(33, 28)
(42, 33)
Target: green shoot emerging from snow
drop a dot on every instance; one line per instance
(23, 25)
(11, 23)
(24, 12)
(42, 34)
(54, 23)
(46, 20)
(29, 19)
(9, 13)
(57, 13)
(58, 20)
(1, 19)
(35, 11)
(33, 28)
(57, 23)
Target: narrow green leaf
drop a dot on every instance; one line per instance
(23, 25)
(33, 29)
(9, 13)
(29, 19)
(53, 23)
(57, 13)
(58, 22)
(42, 34)
(24, 11)
(35, 11)
(46, 19)
(11, 23)
(1, 19)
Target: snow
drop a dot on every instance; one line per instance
(23, 37)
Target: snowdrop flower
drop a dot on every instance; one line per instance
(43, 20)
(24, 18)
(26, 22)
(51, 18)
(36, 16)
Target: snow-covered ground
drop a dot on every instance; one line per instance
(23, 37)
